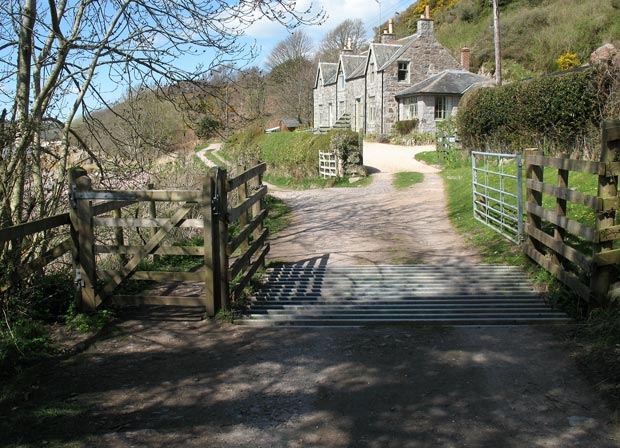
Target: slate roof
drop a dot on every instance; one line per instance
(454, 82)
(351, 65)
(384, 52)
(329, 70)
(291, 122)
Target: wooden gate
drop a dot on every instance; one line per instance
(575, 235)
(205, 212)
(328, 164)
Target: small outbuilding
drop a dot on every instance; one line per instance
(290, 124)
(437, 97)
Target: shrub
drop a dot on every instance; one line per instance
(207, 128)
(405, 126)
(345, 144)
(554, 111)
(568, 61)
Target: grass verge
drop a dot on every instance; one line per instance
(595, 342)
(406, 179)
(317, 182)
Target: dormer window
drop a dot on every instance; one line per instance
(371, 72)
(403, 71)
(341, 81)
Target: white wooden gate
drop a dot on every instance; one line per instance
(328, 164)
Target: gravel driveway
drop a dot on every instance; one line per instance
(376, 224)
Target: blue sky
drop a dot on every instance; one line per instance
(266, 34)
(371, 12)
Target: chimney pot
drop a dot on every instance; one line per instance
(465, 58)
(388, 33)
(427, 11)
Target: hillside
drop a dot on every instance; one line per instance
(534, 32)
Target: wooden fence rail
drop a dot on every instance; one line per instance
(556, 241)
(203, 211)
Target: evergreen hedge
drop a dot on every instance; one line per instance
(554, 112)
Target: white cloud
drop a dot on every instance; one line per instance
(371, 12)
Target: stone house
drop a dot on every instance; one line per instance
(437, 97)
(370, 90)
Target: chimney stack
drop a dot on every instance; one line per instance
(348, 48)
(426, 25)
(465, 58)
(388, 35)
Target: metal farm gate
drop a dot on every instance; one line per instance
(498, 192)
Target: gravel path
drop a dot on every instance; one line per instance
(375, 224)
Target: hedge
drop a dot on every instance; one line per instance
(293, 154)
(551, 112)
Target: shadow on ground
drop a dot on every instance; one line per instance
(166, 378)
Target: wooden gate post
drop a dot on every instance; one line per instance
(534, 172)
(607, 188)
(82, 233)
(222, 230)
(153, 215)
(208, 191)
(243, 219)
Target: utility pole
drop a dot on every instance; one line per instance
(498, 54)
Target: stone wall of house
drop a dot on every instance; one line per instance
(426, 113)
(355, 90)
(373, 98)
(322, 96)
(426, 57)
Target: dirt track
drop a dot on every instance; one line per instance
(166, 378)
(376, 224)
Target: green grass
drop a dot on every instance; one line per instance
(279, 216)
(406, 179)
(429, 157)
(315, 182)
(212, 156)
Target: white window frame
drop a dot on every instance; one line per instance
(447, 105)
(372, 110)
(410, 108)
(405, 69)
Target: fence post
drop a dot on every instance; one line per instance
(82, 231)
(208, 191)
(243, 219)
(118, 235)
(153, 215)
(222, 237)
(258, 206)
(534, 172)
(607, 188)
